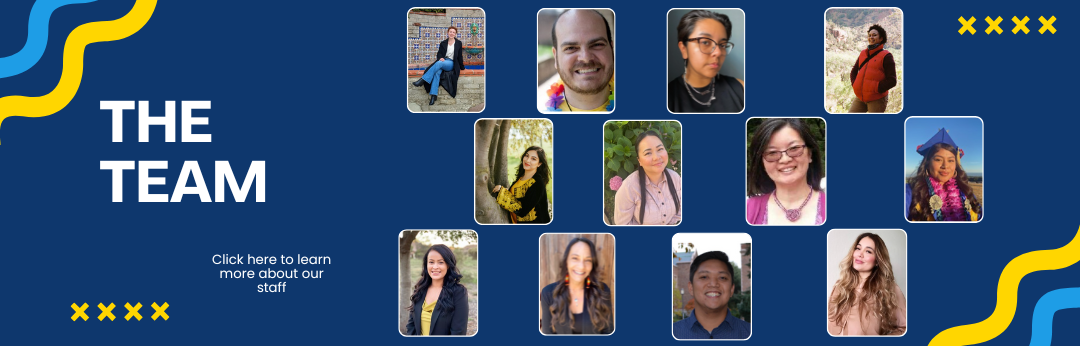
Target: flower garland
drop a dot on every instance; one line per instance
(948, 202)
(557, 95)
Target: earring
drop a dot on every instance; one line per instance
(567, 280)
(588, 282)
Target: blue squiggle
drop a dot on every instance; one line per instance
(37, 37)
(1042, 319)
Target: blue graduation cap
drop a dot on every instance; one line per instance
(942, 136)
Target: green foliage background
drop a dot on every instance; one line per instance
(620, 156)
(817, 129)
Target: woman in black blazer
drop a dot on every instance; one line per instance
(449, 61)
(580, 303)
(440, 304)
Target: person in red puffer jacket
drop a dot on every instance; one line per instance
(873, 75)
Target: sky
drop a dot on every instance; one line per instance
(967, 132)
(729, 243)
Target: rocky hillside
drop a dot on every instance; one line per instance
(846, 28)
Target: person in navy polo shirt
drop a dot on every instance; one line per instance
(711, 285)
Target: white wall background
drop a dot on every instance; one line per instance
(840, 240)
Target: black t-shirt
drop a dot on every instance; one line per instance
(729, 97)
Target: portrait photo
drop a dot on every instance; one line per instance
(445, 60)
(642, 173)
(867, 282)
(575, 54)
(864, 60)
(577, 284)
(706, 54)
(710, 286)
(437, 282)
(513, 171)
(785, 171)
(943, 169)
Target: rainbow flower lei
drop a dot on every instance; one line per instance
(556, 96)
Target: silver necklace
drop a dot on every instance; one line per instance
(712, 92)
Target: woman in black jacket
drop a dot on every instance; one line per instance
(526, 200)
(445, 70)
(440, 305)
(580, 303)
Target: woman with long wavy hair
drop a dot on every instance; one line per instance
(440, 304)
(866, 299)
(526, 201)
(939, 190)
(580, 303)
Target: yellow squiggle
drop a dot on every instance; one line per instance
(1008, 285)
(71, 77)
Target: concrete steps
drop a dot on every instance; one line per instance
(470, 96)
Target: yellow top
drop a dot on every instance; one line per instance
(425, 317)
(508, 198)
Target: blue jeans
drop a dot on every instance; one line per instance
(435, 72)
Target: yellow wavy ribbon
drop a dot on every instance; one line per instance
(74, 48)
(1008, 285)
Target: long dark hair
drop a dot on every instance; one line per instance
(599, 300)
(543, 174)
(757, 180)
(920, 192)
(642, 177)
(450, 280)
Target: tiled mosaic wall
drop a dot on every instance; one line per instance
(422, 49)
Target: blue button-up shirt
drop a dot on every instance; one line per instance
(732, 328)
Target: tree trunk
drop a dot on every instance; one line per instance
(404, 284)
(487, 211)
(499, 166)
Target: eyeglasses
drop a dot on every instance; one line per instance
(793, 152)
(707, 45)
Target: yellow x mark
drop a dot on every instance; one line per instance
(133, 311)
(80, 311)
(993, 25)
(1047, 25)
(106, 311)
(1020, 25)
(160, 311)
(967, 26)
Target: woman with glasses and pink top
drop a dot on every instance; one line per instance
(784, 174)
(703, 42)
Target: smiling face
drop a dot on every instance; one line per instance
(436, 265)
(711, 285)
(702, 64)
(942, 165)
(452, 33)
(652, 155)
(530, 161)
(583, 54)
(864, 258)
(579, 262)
(787, 170)
(873, 36)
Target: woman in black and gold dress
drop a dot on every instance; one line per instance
(527, 201)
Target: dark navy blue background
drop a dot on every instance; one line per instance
(304, 86)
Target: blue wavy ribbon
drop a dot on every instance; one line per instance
(1042, 319)
(37, 37)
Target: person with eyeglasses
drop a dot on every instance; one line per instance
(784, 175)
(873, 75)
(704, 43)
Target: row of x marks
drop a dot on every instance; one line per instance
(106, 311)
(1021, 24)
